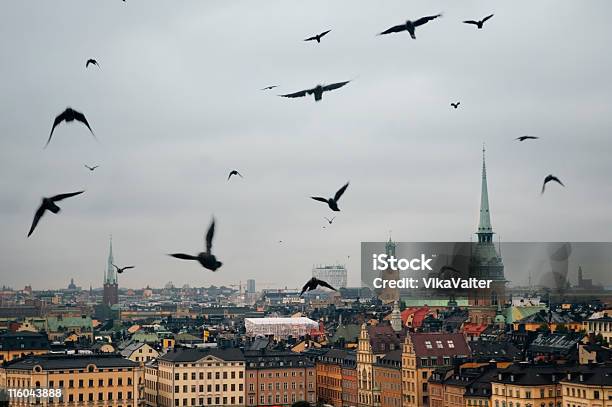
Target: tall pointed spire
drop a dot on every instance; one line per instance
(110, 275)
(485, 230)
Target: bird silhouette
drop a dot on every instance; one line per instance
(91, 168)
(410, 26)
(317, 91)
(122, 269)
(48, 204)
(523, 138)
(234, 172)
(456, 104)
(69, 115)
(332, 202)
(270, 87)
(92, 61)
(206, 259)
(330, 221)
(479, 23)
(550, 178)
(317, 37)
(313, 283)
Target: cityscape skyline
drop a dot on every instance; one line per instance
(401, 153)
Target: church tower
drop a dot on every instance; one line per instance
(389, 295)
(486, 263)
(111, 288)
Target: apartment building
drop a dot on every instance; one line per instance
(196, 377)
(589, 386)
(101, 380)
(528, 385)
(422, 354)
(275, 378)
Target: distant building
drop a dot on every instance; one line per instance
(111, 286)
(139, 352)
(14, 345)
(250, 288)
(333, 274)
(100, 379)
(280, 327)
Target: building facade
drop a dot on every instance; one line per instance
(333, 274)
(196, 377)
(279, 378)
(101, 380)
(422, 354)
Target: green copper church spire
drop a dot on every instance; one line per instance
(485, 230)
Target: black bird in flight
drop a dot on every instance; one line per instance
(270, 87)
(91, 168)
(69, 115)
(550, 178)
(523, 138)
(332, 202)
(317, 91)
(479, 23)
(206, 259)
(410, 26)
(330, 221)
(234, 172)
(317, 37)
(92, 61)
(313, 283)
(48, 204)
(122, 269)
(456, 104)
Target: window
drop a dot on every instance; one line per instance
(428, 345)
(439, 344)
(450, 343)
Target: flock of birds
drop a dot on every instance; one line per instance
(206, 258)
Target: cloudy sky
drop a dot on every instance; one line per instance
(176, 105)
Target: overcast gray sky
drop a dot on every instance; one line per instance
(176, 105)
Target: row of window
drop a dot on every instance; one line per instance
(209, 375)
(209, 388)
(209, 401)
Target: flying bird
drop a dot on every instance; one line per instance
(234, 172)
(410, 26)
(479, 23)
(206, 259)
(48, 204)
(330, 221)
(92, 61)
(313, 283)
(317, 37)
(332, 202)
(523, 138)
(270, 87)
(456, 104)
(69, 115)
(317, 91)
(122, 269)
(550, 178)
(91, 168)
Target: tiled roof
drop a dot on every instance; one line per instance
(61, 362)
(193, 355)
(439, 344)
(384, 339)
